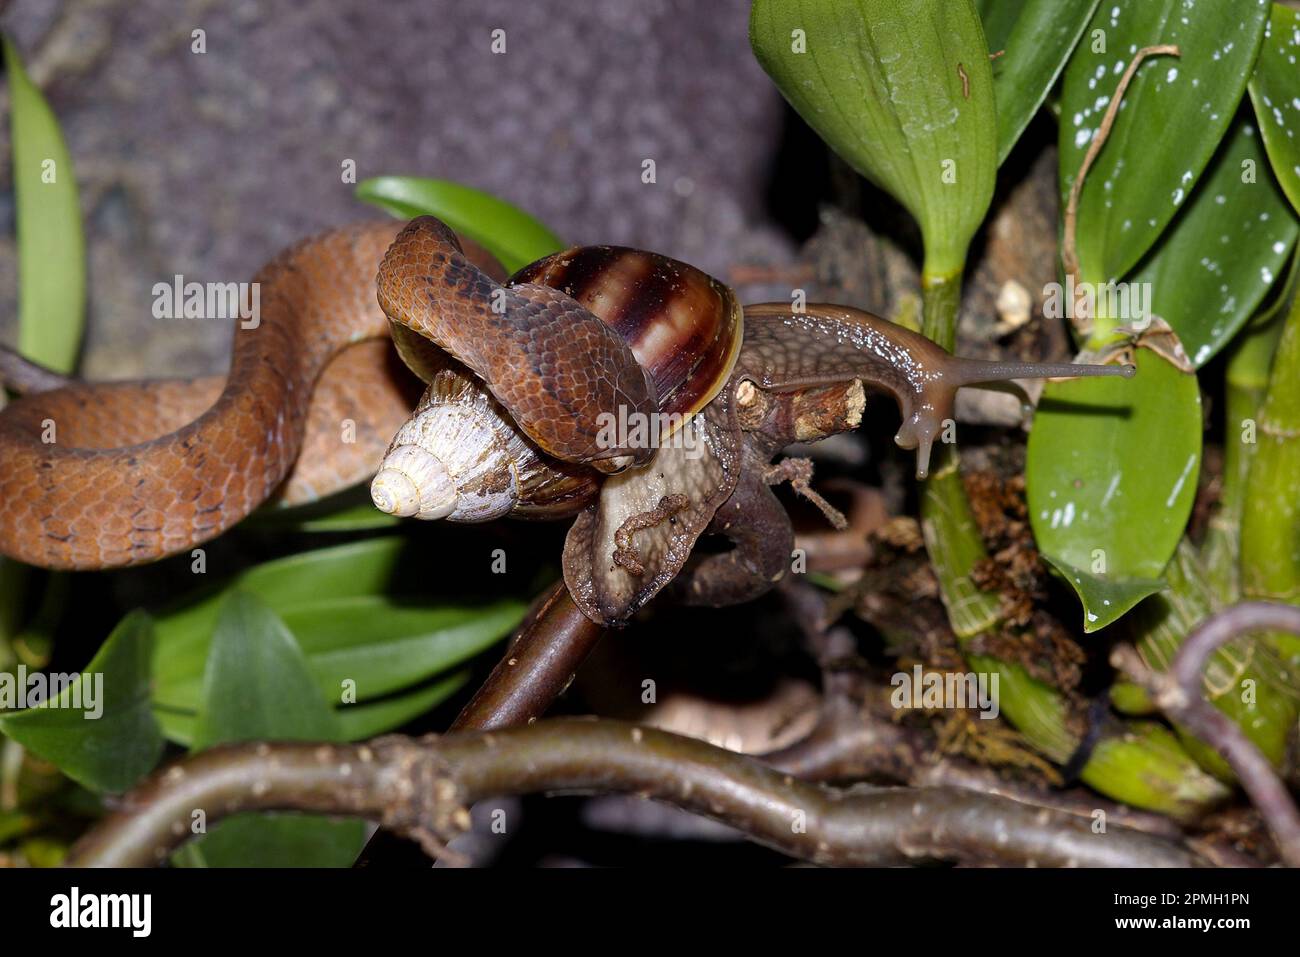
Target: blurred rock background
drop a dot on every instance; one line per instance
(207, 164)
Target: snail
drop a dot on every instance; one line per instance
(584, 348)
(530, 382)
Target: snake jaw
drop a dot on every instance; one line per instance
(413, 483)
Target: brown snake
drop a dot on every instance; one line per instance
(104, 475)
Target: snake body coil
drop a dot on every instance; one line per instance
(104, 475)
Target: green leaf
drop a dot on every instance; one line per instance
(1105, 599)
(377, 643)
(257, 683)
(1110, 479)
(342, 571)
(360, 614)
(1224, 251)
(356, 722)
(1160, 627)
(1173, 116)
(1275, 91)
(51, 249)
(999, 19)
(365, 720)
(1037, 37)
(384, 645)
(506, 231)
(258, 687)
(882, 83)
(108, 739)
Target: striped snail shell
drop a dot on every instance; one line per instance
(684, 327)
(464, 457)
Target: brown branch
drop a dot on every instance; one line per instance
(538, 666)
(421, 787)
(1178, 693)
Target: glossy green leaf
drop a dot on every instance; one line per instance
(367, 719)
(121, 742)
(378, 644)
(384, 645)
(902, 90)
(51, 248)
(360, 612)
(1036, 37)
(258, 687)
(506, 231)
(1275, 91)
(1110, 478)
(1105, 598)
(342, 571)
(257, 683)
(999, 18)
(1173, 116)
(1216, 263)
(357, 721)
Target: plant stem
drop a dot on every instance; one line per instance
(1270, 519)
(940, 305)
(1246, 384)
(1143, 764)
(1244, 680)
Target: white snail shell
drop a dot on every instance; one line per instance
(448, 461)
(413, 482)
